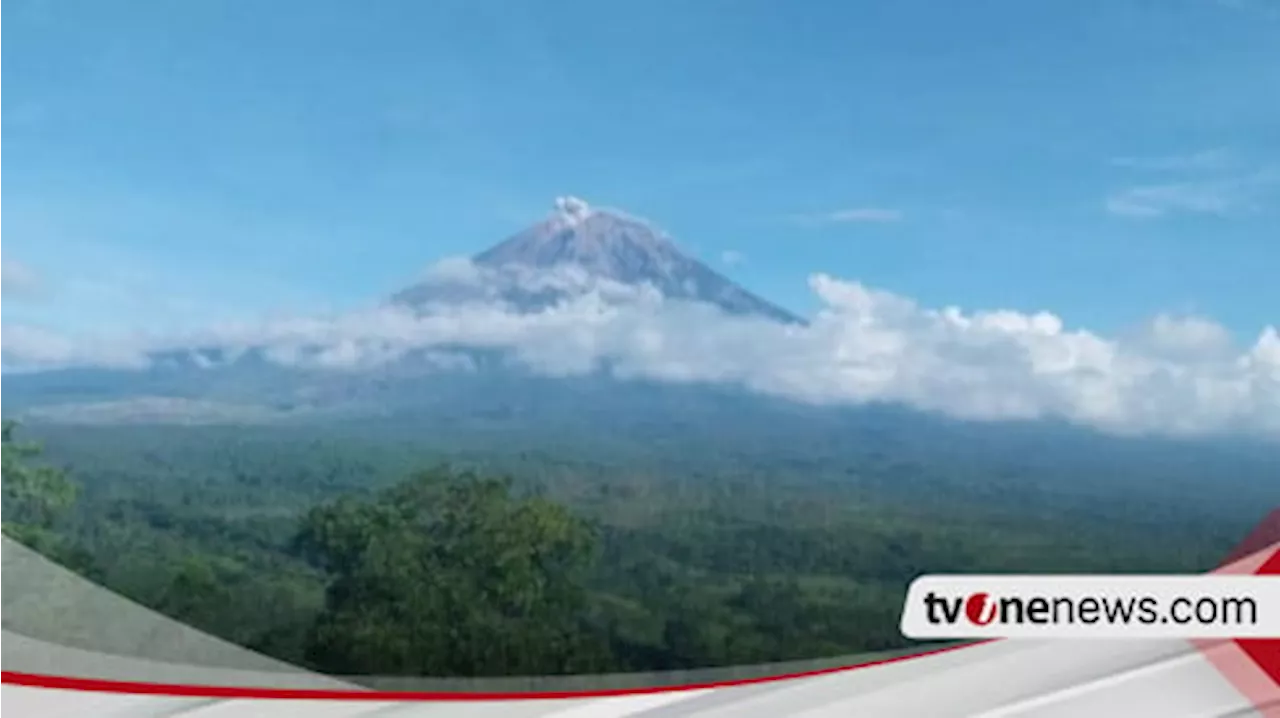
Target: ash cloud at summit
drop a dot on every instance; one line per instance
(587, 290)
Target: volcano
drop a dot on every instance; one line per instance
(578, 248)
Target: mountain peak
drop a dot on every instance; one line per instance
(605, 245)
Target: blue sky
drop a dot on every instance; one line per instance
(170, 163)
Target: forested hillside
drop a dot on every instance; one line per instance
(361, 553)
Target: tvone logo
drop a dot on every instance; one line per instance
(981, 609)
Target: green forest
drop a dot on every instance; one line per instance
(356, 555)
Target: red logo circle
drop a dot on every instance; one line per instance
(980, 609)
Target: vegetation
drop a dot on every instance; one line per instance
(35, 496)
(449, 575)
(342, 553)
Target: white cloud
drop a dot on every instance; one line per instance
(1202, 189)
(1182, 375)
(17, 278)
(732, 258)
(853, 215)
(30, 347)
(1187, 336)
(453, 269)
(1206, 160)
(1159, 200)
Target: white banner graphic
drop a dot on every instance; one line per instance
(1210, 606)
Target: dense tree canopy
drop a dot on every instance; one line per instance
(336, 552)
(449, 574)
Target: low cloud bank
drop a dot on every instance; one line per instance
(1181, 376)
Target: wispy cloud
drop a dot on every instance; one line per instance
(732, 258)
(853, 215)
(1205, 160)
(1160, 200)
(1213, 182)
(19, 281)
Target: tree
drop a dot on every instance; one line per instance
(34, 494)
(450, 574)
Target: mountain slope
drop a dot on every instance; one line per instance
(579, 247)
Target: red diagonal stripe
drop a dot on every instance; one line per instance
(1266, 651)
(1266, 533)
